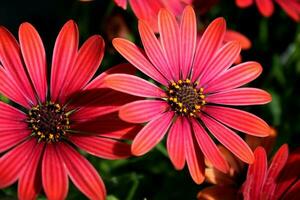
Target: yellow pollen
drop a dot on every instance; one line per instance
(188, 81)
(202, 96)
(180, 82)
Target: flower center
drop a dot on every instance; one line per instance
(184, 98)
(48, 122)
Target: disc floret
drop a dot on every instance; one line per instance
(48, 122)
(185, 98)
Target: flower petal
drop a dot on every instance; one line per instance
(220, 62)
(235, 77)
(136, 57)
(175, 144)
(121, 3)
(232, 35)
(292, 8)
(240, 97)
(54, 175)
(11, 138)
(293, 192)
(266, 7)
(82, 173)
(64, 55)
(10, 58)
(102, 147)
(142, 111)
(188, 37)
(239, 120)
(12, 163)
(87, 62)
(209, 148)
(210, 42)
(229, 139)
(154, 50)
(256, 175)
(151, 134)
(193, 155)
(133, 85)
(35, 58)
(216, 192)
(243, 3)
(169, 32)
(30, 181)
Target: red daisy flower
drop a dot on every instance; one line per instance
(194, 78)
(279, 181)
(266, 7)
(37, 145)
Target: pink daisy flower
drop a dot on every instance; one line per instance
(37, 141)
(194, 79)
(266, 7)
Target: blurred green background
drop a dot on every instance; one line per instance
(275, 44)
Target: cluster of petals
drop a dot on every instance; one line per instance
(176, 56)
(266, 7)
(94, 124)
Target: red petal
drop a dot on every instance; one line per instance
(10, 57)
(102, 147)
(243, 3)
(64, 55)
(133, 85)
(256, 175)
(235, 77)
(210, 42)
(142, 111)
(54, 175)
(12, 163)
(291, 7)
(293, 192)
(209, 148)
(188, 37)
(175, 144)
(193, 155)
(239, 120)
(30, 181)
(266, 7)
(82, 173)
(169, 32)
(136, 57)
(87, 62)
(35, 58)
(231, 35)
(151, 134)
(240, 97)
(11, 138)
(121, 3)
(229, 139)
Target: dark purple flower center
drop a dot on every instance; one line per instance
(185, 98)
(48, 122)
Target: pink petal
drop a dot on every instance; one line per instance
(154, 50)
(35, 58)
(188, 37)
(142, 111)
(266, 7)
(240, 97)
(243, 3)
(133, 85)
(256, 175)
(10, 57)
(151, 134)
(64, 55)
(11, 113)
(169, 32)
(102, 147)
(277, 164)
(121, 3)
(87, 62)
(136, 57)
(220, 62)
(82, 173)
(54, 175)
(235, 77)
(12, 163)
(11, 138)
(210, 42)
(209, 148)
(175, 144)
(239, 120)
(229, 139)
(193, 155)
(231, 35)
(30, 181)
